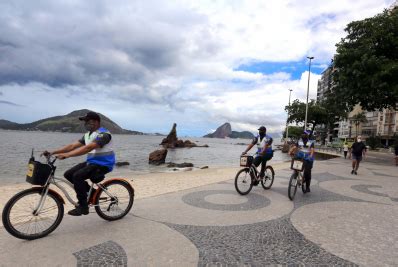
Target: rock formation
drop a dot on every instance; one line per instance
(172, 141)
(221, 132)
(225, 131)
(122, 163)
(157, 157)
(179, 165)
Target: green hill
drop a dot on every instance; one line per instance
(68, 123)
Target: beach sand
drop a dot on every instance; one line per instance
(152, 184)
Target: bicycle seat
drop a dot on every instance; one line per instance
(97, 178)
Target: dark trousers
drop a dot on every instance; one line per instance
(78, 175)
(345, 154)
(257, 162)
(263, 160)
(307, 172)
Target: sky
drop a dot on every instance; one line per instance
(147, 64)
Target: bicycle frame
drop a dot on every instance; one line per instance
(300, 177)
(57, 182)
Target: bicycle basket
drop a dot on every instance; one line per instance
(246, 161)
(297, 164)
(38, 173)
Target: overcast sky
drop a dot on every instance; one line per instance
(147, 64)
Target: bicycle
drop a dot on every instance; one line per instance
(36, 212)
(297, 178)
(246, 177)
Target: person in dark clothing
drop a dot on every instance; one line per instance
(306, 149)
(97, 144)
(358, 149)
(396, 153)
(264, 150)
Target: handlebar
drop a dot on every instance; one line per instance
(51, 159)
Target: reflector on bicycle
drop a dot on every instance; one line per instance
(297, 165)
(31, 167)
(246, 161)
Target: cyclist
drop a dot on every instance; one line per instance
(307, 150)
(97, 144)
(264, 150)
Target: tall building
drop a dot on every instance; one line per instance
(325, 84)
(379, 123)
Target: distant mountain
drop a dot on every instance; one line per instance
(221, 132)
(225, 130)
(68, 123)
(243, 135)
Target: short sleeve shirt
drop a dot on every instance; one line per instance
(311, 145)
(255, 139)
(102, 139)
(358, 148)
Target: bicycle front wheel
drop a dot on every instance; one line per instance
(20, 220)
(115, 201)
(303, 186)
(243, 181)
(293, 185)
(268, 179)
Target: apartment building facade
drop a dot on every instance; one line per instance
(378, 123)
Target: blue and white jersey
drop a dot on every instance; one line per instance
(267, 139)
(305, 148)
(104, 155)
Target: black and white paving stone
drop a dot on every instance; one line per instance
(346, 220)
(259, 244)
(106, 254)
(215, 199)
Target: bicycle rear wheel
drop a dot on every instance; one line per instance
(293, 185)
(115, 201)
(268, 179)
(20, 221)
(243, 181)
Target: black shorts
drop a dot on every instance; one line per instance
(356, 157)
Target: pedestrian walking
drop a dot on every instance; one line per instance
(358, 149)
(396, 153)
(345, 149)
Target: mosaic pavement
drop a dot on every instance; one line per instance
(346, 220)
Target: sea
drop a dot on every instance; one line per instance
(16, 147)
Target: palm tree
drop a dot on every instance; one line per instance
(358, 119)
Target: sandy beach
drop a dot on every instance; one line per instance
(152, 184)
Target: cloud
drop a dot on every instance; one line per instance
(178, 57)
(3, 102)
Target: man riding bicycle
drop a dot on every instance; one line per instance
(264, 150)
(306, 153)
(97, 144)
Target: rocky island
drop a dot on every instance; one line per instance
(225, 131)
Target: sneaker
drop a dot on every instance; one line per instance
(355, 172)
(352, 172)
(78, 211)
(255, 183)
(308, 190)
